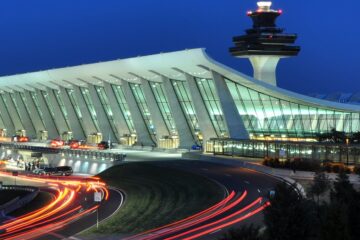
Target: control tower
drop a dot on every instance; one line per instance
(265, 43)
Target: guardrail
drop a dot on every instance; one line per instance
(18, 202)
(20, 146)
(117, 157)
(154, 149)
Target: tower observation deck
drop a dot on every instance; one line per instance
(265, 43)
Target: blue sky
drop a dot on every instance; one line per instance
(42, 34)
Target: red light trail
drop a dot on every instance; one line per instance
(223, 214)
(65, 207)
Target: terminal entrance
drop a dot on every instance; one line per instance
(43, 135)
(169, 142)
(128, 139)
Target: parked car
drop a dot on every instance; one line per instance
(57, 143)
(103, 145)
(18, 138)
(74, 144)
(38, 171)
(46, 171)
(196, 147)
(63, 171)
(54, 171)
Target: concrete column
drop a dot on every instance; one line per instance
(156, 116)
(186, 137)
(60, 118)
(9, 125)
(13, 112)
(119, 119)
(34, 114)
(75, 125)
(234, 122)
(104, 124)
(88, 124)
(205, 124)
(48, 119)
(142, 131)
(265, 68)
(25, 117)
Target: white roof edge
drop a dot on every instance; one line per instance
(109, 61)
(202, 58)
(264, 87)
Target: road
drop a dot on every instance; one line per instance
(71, 211)
(247, 197)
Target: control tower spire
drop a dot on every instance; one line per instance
(265, 43)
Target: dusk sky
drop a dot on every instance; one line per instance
(42, 34)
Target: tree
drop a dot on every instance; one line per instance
(342, 217)
(335, 225)
(248, 232)
(290, 217)
(320, 185)
(343, 191)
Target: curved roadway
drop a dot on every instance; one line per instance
(248, 191)
(75, 210)
(71, 211)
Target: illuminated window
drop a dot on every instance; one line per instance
(86, 95)
(144, 109)
(105, 103)
(120, 97)
(183, 96)
(212, 103)
(164, 107)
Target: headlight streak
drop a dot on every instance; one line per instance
(63, 208)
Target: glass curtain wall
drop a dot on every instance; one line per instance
(109, 113)
(50, 107)
(266, 115)
(24, 100)
(13, 99)
(348, 154)
(38, 108)
(70, 93)
(28, 111)
(212, 103)
(86, 95)
(183, 96)
(120, 97)
(163, 104)
(62, 107)
(6, 109)
(141, 102)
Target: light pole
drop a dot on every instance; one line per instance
(97, 199)
(347, 152)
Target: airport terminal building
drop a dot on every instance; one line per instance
(174, 100)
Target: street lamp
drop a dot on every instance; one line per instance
(347, 152)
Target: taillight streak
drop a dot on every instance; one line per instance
(214, 207)
(227, 224)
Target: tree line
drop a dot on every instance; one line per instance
(331, 212)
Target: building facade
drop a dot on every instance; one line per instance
(171, 100)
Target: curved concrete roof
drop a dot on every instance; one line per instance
(194, 62)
